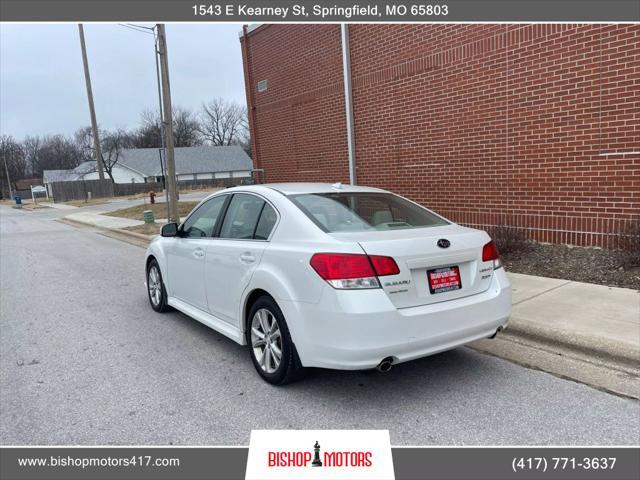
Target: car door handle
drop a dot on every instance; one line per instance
(246, 257)
(198, 253)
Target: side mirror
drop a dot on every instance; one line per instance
(169, 230)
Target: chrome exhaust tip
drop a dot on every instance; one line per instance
(496, 333)
(385, 365)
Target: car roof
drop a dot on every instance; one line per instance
(298, 188)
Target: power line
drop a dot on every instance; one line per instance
(142, 26)
(137, 28)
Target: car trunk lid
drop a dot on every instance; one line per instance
(416, 252)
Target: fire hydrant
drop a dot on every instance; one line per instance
(152, 197)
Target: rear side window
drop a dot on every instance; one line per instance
(362, 211)
(242, 216)
(267, 221)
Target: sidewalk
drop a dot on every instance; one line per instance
(102, 221)
(61, 206)
(579, 331)
(596, 318)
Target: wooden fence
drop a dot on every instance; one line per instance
(79, 189)
(121, 189)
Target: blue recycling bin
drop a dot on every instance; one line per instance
(18, 199)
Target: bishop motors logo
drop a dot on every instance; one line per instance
(319, 454)
(331, 458)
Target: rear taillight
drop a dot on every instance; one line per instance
(349, 270)
(490, 253)
(384, 265)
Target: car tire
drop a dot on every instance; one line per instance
(155, 288)
(263, 347)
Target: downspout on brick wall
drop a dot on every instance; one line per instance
(251, 105)
(348, 102)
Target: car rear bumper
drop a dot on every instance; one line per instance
(351, 330)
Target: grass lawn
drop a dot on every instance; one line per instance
(159, 210)
(86, 203)
(33, 206)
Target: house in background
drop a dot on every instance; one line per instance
(144, 165)
(121, 173)
(192, 163)
(88, 171)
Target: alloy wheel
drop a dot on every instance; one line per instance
(266, 340)
(154, 285)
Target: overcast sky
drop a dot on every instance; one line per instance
(42, 87)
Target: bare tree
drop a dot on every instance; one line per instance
(149, 134)
(31, 147)
(11, 155)
(84, 141)
(223, 122)
(185, 129)
(113, 143)
(57, 152)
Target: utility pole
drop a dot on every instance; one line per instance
(168, 126)
(92, 110)
(6, 170)
(156, 53)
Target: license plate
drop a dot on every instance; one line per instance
(444, 279)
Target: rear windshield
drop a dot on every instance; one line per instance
(362, 211)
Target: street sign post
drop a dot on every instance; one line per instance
(38, 189)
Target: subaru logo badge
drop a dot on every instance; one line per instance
(444, 243)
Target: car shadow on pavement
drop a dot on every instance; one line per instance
(448, 370)
(440, 368)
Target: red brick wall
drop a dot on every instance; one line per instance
(519, 125)
(299, 122)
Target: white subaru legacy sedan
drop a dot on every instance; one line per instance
(332, 276)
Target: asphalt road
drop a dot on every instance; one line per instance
(84, 360)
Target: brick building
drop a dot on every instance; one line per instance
(536, 127)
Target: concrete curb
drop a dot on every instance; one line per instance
(117, 231)
(596, 347)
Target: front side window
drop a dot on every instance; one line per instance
(362, 211)
(242, 216)
(202, 222)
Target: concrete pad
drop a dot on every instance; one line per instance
(62, 206)
(607, 313)
(527, 286)
(103, 221)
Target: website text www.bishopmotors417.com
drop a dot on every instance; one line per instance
(133, 461)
